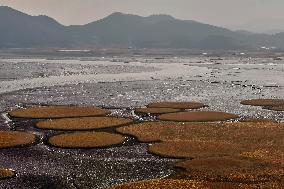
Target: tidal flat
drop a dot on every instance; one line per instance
(121, 84)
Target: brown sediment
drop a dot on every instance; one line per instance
(85, 140)
(156, 110)
(6, 173)
(257, 135)
(253, 120)
(86, 123)
(276, 108)
(162, 184)
(198, 116)
(230, 169)
(264, 185)
(191, 140)
(10, 139)
(272, 154)
(186, 184)
(58, 112)
(176, 105)
(194, 149)
(248, 134)
(230, 185)
(166, 130)
(263, 102)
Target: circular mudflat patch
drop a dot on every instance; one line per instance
(156, 110)
(58, 112)
(10, 139)
(162, 184)
(165, 130)
(198, 116)
(86, 123)
(231, 169)
(194, 149)
(6, 173)
(176, 105)
(85, 140)
(263, 102)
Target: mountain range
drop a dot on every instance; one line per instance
(20, 30)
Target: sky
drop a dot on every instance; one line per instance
(215, 12)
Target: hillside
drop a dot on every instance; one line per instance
(20, 30)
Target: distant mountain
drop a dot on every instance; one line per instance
(156, 31)
(19, 30)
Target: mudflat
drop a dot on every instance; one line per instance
(119, 86)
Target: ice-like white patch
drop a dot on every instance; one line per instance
(6, 118)
(166, 71)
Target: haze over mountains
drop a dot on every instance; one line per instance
(19, 30)
(268, 26)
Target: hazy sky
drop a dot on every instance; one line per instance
(217, 12)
